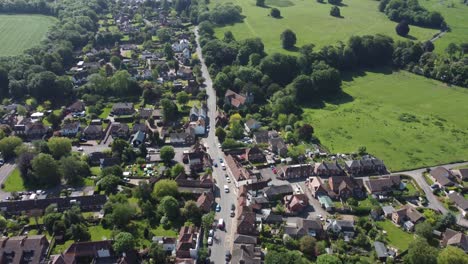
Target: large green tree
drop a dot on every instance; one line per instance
(167, 154)
(165, 188)
(288, 39)
(124, 242)
(420, 252)
(59, 146)
(73, 170)
(452, 255)
(8, 146)
(46, 170)
(169, 207)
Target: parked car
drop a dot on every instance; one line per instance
(215, 164)
(228, 255)
(210, 241)
(226, 189)
(220, 223)
(218, 208)
(228, 180)
(211, 233)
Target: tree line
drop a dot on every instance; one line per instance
(413, 13)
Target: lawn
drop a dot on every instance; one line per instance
(395, 236)
(14, 182)
(312, 22)
(105, 112)
(99, 233)
(160, 231)
(456, 18)
(21, 32)
(407, 120)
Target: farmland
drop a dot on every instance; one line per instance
(312, 23)
(21, 32)
(406, 120)
(456, 17)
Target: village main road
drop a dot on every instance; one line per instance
(432, 200)
(223, 238)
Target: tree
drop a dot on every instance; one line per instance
(452, 255)
(424, 230)
(124, 242)
(452, 48)
(109, 183)
(335, 11)
(208, 220)
(122, 214)
(182, 97)
(73, 170)
(177, 169)
(260, 3)
(115, 61)
(328, 259)
(402, 28)
(169, 207)
(445, 221)
(287, 257)
(59, 146)
(420, 252)
(167, 154)
(168, 51)
(45, 170)
(221, 134)
(307, 246)
(305, 132)
(275, 12)
(362, 150)
(237, 130)
(143, 191)
(165, 188)
(8, 146)
(170, 110)
(157, 253)
(192, 212)
(428, 46)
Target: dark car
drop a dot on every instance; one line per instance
(228, 255)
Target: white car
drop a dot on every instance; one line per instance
(219, 145)
(80, 149)
(228, 180)
(210, 241)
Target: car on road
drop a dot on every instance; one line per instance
(211, 233)
(221, 223)
(228, 180)
(218, 208)
(228, 255)
(80, 149)
(215, 164)
(226, 188)
(210, 241)
(223, 166)
(221, 160)
(225, 175)
(219, 145)
(233, 212)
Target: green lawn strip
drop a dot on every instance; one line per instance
(428, 179)
(60, 248)
(396, 236)
(99, 233)
(371, 114)
(312, 23)
(160, 231)
(14, 182)
(105, 112)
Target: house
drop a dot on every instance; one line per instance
(246, 221)
(328, 169)
(181, 45)
(138, 138)
(247, 254)
(381, 251)
(76, 108)
(305, 227)
(461, 173)
(167, 243)
(388, 211)
(94, 158)
(32, 130)
(460, 202)
(275, 191)
(345, 227)
(139, 127)
(221, 119)
(119, 130)
(186, 53)
(185, 73)
(70, 129)
(123, 109)
(88, 252)
(268, 217)
(238, 172)
(109, 162)
(197, 158)
(278, 146)
(192, 87)
(295, 203)
(145, 113)
(442, 177)
(199, 127)
(456, 239)
(317, 187)
(236, 100)
(197, 113)
(383, 185)
(295, 171)
(196, 185)
(93, 132)
(353, 167)
(244, 239)
(260, 137)
(188, 243)
(251, 125)
(344, 187)
(183, 138)
(24, 249)
(254, 155)
(205, 201)
(407, 213)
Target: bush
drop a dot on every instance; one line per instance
(275, 12)
(335, 11)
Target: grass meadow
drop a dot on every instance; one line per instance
(407, 120)
(456, 17)
(312, 22)
(21, 32)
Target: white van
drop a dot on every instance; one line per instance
(226, 188)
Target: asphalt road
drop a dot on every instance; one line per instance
(223, 238)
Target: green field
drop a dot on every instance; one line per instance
(312, 22)
(456, 17)
(377, 110)
(21, 32)
(14, 182)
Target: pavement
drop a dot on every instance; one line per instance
(223, 238)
